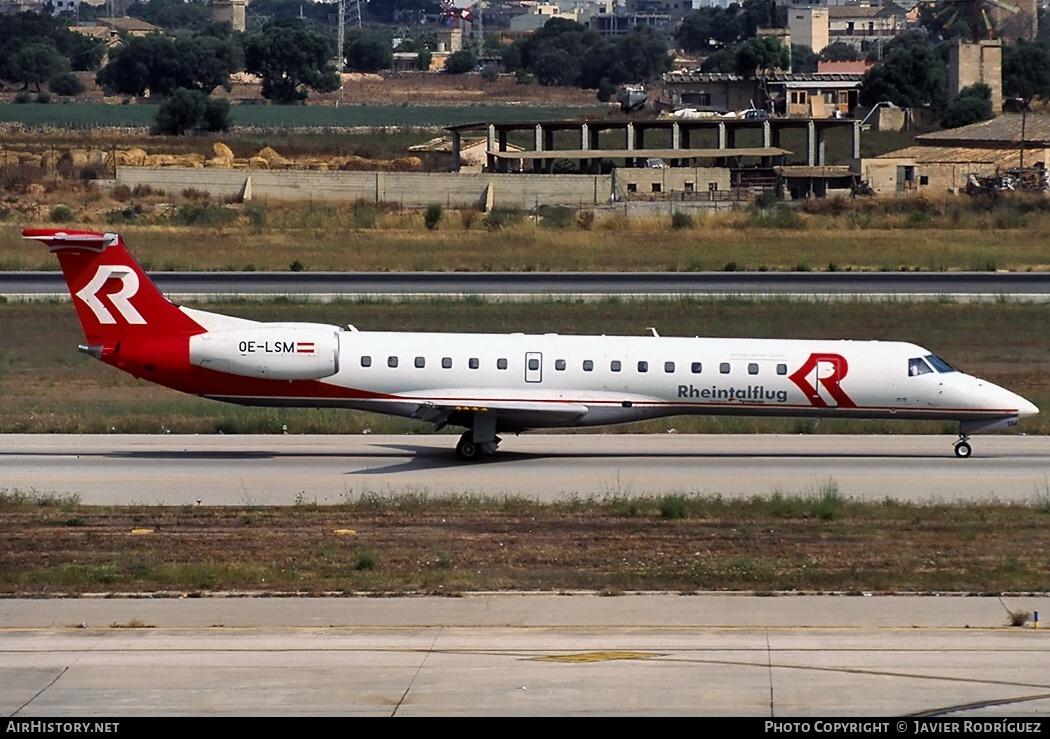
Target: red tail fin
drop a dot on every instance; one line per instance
(114, 297)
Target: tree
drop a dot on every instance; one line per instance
(162, 65)
(68, 50)
(191, 110)
(972, 105)
(461, 62)
(803, 59)
(759, 54)
(290, 59)
(555, 67)
(172, 14)
(1026, 70)
(35, 63)
(707, 29)
(423, 60)
(913, 73)
(840, 51)
(394, 11)
(66, 83)
(369, 52)
(564, 52)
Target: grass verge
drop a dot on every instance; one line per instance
(417, 544)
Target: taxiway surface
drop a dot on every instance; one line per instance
(280, 470)
(526, 654)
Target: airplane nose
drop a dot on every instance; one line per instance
(1026, 408)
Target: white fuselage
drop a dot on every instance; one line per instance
(535, 381)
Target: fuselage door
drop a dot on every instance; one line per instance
(533, 366)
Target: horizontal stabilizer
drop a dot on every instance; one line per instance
(62, 239)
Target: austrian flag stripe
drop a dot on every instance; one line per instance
(304, 347)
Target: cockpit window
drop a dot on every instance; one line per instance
(916, 366)
(939, 364)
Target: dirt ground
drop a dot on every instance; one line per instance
(388, 88)
(401, 546)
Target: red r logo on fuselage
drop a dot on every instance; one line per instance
(808, 377)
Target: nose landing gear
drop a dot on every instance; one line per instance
(962, 447)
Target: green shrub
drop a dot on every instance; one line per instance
(674, 506)
(363, 214)
(22, 97)
(766, 200)
(62, 214)
(556, 216)
(500, 218)
(204, 214)
(66, 84)
(433, 215)
(43, 97)
(191, 110)
(681, 220)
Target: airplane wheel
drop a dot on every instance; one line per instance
(466, 449)
(963, 450)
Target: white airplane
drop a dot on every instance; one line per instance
(492, 383)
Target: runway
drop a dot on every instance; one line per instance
(961, 286)
(282, 470)
(527, 655)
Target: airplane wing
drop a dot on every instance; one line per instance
(521, 413)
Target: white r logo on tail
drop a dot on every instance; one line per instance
(121, 299)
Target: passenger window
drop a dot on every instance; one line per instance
(918, 367)
(588, 365)
(420, 363)
(534, 364)
(669, 367)
(695, 368)
(473, 363)
(782, 369)
(501, 363)
(366, 361)
(559, 364)
(643, 366)
(446, 363)
(724, 368)
(615, 365)
(752, 368)
(391, 361)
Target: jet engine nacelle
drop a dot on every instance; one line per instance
(272, 353)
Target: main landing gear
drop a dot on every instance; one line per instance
(479, 440)
(962, 447)
(469, 450)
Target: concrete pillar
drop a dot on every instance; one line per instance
(676, 136)
(490, 146)
(585, 136)
(503, 164)
(548, 145)
(767, 137)
(811, 144)
(856, 140)
(822, 135)
(537, 137)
